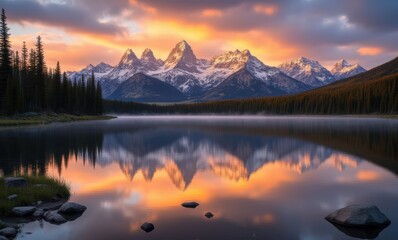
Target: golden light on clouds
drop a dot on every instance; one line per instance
(212, 13)
(265, 9)
(369, 51)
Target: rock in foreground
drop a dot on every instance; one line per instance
(358, 216)
(54, 217)
(147, 227)
(71, 208)
(23, 211)
(8, 232)
(190, 204)
(209, 215)
(15, 182)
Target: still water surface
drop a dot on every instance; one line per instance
(262, 177)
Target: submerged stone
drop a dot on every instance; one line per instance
(147, 227)
(190, 204)
(209, 215)
(359, 216)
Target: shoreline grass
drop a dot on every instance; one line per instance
(20, 120)
(31, 194)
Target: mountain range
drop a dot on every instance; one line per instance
(182, 76)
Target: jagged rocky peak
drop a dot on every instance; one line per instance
(129, 58)
(308, 71)
(148, 56)
(340, 65)
(182, 57)
(231, 60)
(342, 69)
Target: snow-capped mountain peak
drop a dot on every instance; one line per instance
(233, 60)
(129, 58)
(308, 71)
(342, 69)
(149, 62)
(182, 57)
(148, 56)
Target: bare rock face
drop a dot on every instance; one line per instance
(357, 216)
(15, 182)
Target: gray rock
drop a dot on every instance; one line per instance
(209, 215)
(70, 207)
(361, 232)
(190, 204)
(54, 217)
(147, 227)
(12, 197)
(23, 211)
(15, 182)
(38, 213)
(51, 205)
(8, 232)
(359, 216)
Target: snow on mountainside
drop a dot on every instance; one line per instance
(251, 78)
(99, 71)
(342, 69)
(307, 71)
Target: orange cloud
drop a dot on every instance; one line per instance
(212, 13)
(265, 9)
(369, 51)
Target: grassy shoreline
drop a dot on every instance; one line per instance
(20, 120)
(39, 188)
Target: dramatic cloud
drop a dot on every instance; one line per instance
(363, 31)
(70, 17)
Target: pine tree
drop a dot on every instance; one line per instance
(24, 77)
(99, 108)
(40, 75)
(12, 93)
(57, 88)
(91, 95)
(30, 93)
(5, 59)
(64, 93)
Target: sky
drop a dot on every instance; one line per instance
(80, 32)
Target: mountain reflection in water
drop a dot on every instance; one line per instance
(257, 175)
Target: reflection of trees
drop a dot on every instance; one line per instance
(32, 151)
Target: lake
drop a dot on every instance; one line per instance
(261, 177)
